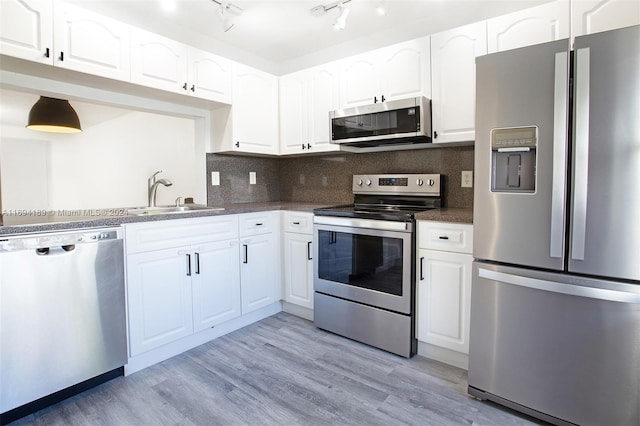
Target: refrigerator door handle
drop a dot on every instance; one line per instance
(581, 149)
(559, 180)
(562, 288)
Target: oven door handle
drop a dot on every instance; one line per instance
(382, 225)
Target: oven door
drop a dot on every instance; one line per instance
(365, 261)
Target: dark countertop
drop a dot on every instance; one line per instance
(447, 215)
(23, 222)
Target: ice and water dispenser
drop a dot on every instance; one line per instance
(513, 159)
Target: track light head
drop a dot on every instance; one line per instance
(341, 22)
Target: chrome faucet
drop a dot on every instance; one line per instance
(152, 187)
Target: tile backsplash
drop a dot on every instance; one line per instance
(327, 178)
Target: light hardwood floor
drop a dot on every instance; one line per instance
(282, 371)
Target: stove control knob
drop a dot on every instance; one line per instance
(360, 182)
(419, 182)
(430, 182)
(368, 182)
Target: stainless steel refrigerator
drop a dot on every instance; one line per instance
(555, 311)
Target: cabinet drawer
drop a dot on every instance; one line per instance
(256, 223)
(298, 222)
(149, 236)
(454, 237)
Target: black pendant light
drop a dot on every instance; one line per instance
(53, 115)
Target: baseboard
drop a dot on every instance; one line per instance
(457, 359)
(172, 349)
(297, 310)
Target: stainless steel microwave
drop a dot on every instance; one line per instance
(400, 122)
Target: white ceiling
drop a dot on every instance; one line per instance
(283, 35)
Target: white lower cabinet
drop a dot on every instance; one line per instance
(298, 259)
(174, 292)
(216, 284)
(159, 297)
(260, 264)
(444, 291)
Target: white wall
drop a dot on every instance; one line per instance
(107, 165)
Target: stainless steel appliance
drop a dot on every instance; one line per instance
(555, 311)
(391, 123)
(62, 311)
(364, 260)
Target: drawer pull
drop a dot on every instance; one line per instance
(259, 224)
(443, 237)
(296, 223)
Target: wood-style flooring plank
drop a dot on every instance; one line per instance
(282, 371)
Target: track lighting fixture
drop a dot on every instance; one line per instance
(341, 22)
(53, 115)
(226, 14)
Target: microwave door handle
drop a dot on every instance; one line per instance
(560, 120)
(581, 149)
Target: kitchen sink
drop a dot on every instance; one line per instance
(142, 211)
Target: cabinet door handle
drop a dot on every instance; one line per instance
(246, 253)
(296, 223)
(61, 57)
(308, 146)
(309, 251)
(188, 265)
(237, 144)
(197, 263)
(303, 147)
(184, 86)
(375, 99)
(421, 269)
(259, 224)
(443, 237)
(193, 88)
(435, 134)
(47, 52)
(383, 98)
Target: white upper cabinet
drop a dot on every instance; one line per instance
(26, 29)
(166, 64)
(87, 42)
(593, 16)
(209, 76)
(548, 22)
(306, 97)
(158, 61)
(406, 69)
(453, 73)
(394, 72)
(251, 124)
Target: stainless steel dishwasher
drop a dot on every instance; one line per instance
(62, 316)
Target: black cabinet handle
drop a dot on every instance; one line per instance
(61, 57)
(188, 265)
(303, 147)
(184, 86)
(382, 97)
(197, 263)
(259, 224)
(246, 253)
(47, 52)
(193, 88)
(443, 237)
(435, 134)
(309, 251)
(238, 144)
(375, 99)
(421, 269)
(296, 223)
(308, 146)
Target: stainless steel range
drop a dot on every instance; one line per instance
(364, 262)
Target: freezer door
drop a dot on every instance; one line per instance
(605, 215)
(556, 345)
(522, 98)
